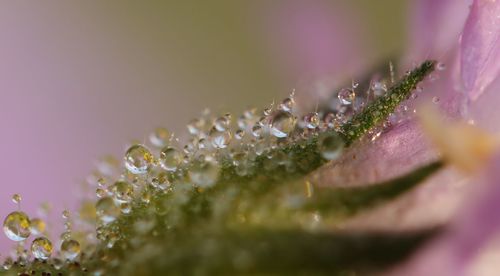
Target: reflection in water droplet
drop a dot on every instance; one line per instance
(16, 226)
(170, 159)
(138, 159)
(106, 210)
(41, 248)
(159, 137)
(346, 96)
(37, 226)
(220, 139)
(282, 124)
(330, 145)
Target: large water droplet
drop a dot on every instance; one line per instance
(170, 158)
(138, 159)
(41, 248)
(16, 226)
(330, 145)
(282, 123)
(346, 96)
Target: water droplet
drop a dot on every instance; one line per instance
(239, 134)
(330, 145)
(160, 137)
(435, 100)
(37, 226)
(100, 193)
(287, 104)
(220, 139)
(70, 249)
(257, 130)
(378, 87)
(122, 191)
(138, 159)
(282, 124)
(16, 226)
(65, 214)
(125, 207)
(312, 120)
(440, 66)
(346, 96)
(222, 123)
(204, 173)
(267, 111)
(41, 248)
(16, 198)
(57, 263)
(106, 210)
(7, 264)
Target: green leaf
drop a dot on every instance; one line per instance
(349, 201)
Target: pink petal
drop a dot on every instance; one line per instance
(454, 251)
(480, 48)
(435, 27)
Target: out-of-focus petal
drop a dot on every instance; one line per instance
(456, 248)
(484, 111)
(435, 27)
(480, 47)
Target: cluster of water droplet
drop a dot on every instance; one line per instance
(214, 142)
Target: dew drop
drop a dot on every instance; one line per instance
(311, 120)
(204, 173)
(257, 130)
(100, 193)
(287, 104)
(346, 96)
(440, 66)
(37, 226)
(160, 137)
(16, 226)
(125, 207)
(16, 198)
(41, 248)
(330, 145)
(239, 134)
(106, 210)
(222, 123)
(220, 139)
(282, 123)
(378, 87)
(70, 249)
(435, 100)
(122, 191)
(65, 214)
(138, 159)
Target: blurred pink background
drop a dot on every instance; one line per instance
(78, 80)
